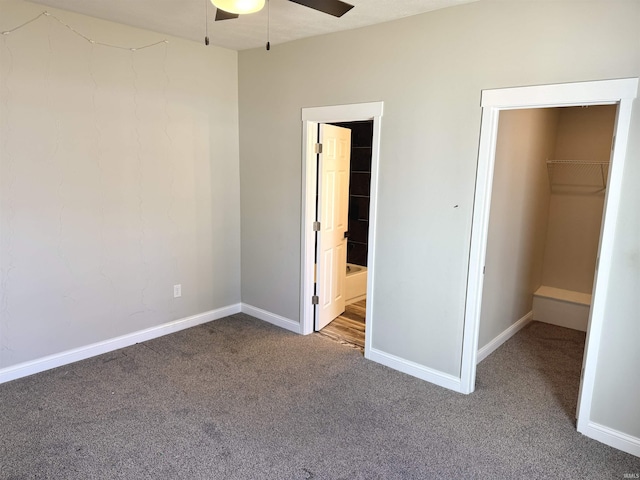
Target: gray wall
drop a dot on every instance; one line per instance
(518, 218)
(429, 70)
(119, 178)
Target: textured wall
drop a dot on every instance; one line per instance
(119, 179)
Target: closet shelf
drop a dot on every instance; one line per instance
(578, 174)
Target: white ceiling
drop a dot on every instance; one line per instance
(288, 21)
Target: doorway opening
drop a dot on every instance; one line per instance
(620, 93)
(549, 182)
(360, 244)
(349, 326)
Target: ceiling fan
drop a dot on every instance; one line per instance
(230, 9)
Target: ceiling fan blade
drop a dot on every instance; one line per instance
(222, 15)
(336, 8)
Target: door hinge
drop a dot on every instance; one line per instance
(483, 270)
(316, 226)
(315, 300)
(318, 148)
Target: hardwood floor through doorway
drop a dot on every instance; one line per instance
(348, 328)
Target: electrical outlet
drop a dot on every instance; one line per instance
(177, 291)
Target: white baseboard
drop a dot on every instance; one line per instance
(82, 353)
(272, 318)
(613, 438)
(355, 299)
(416, 370)
(493, 345)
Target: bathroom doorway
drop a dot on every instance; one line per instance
(365, 119)
(349, 326)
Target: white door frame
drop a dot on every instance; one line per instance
(619, 91)
(311, 117)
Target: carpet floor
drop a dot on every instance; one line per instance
(240, 399)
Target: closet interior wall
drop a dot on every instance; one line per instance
(575, 211)
(544, 231)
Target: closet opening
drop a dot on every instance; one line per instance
(550, 178)
(495, 102)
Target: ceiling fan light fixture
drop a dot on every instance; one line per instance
(240, 7)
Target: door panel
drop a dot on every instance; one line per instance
(333, 187)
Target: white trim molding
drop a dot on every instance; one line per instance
(494, 344)
(611, 437)
(70, 356)
(561, 94)
(343, 113)
(415, 369)
(605, 255)
(620, 92)
(272, 318)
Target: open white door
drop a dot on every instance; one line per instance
(333, 210)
